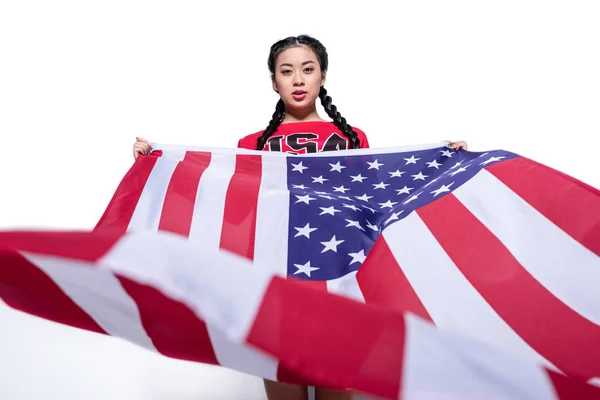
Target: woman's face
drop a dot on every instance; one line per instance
(298, 77)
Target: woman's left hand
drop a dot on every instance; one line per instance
(457, 145)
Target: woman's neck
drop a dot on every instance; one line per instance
(307, 115)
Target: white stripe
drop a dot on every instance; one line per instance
(346, 286)
(221, 288)
(271, 241)
(441, 365)
(449, 298)
(148, 210)
(207, 220)
(562, 265)
(99, 294)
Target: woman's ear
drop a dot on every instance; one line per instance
(274, 83)
(323, 78)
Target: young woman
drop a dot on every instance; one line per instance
(298, 67)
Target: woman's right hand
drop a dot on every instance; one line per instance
(141, 146)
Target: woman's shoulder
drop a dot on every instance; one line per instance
(249, 141)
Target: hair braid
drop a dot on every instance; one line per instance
(338, 120)
(272, 127)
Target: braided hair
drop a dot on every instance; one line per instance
(331, 110)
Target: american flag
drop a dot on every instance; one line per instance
(396, 272)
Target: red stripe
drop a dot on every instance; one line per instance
(25, 287)
(78, 245)
(241, 204)
(331, 341)
(174, 329)
(555, 331)
(180, 199)
(573, 206)
(285, 374)
(383, 283)
(568, 388)
(120, 209)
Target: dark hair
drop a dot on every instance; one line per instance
(330, 109)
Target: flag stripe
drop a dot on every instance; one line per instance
(207, 220)
(241, 203)
(382, 281)
(121, 207)
(448, 296)
(549, 326)
(272, 217)
(552, 257)
(347, 286)
(71, 244)
(437, 365)
(174, 329)
(27, 288)
(97, 292)
(363, 362)
(148, 209)
(569, 388)
(180, 199)
(574, 205)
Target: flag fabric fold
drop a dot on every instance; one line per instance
(415, 272)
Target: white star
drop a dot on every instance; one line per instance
(299, 167)
(364, 197)
(355, 224)
(396, 174)
(329, 210)
(357, 257)
(484, 154)
(299, 187)
(461, 169)
(346, 198)
(358, 178)
(305, 231)
(380, 185)
(319, 179)
(446, 153)
(304, 199)
(442, 189)
(419, 176)
(372, 227)
(321, 192)
(336, 167)
(304, 269)
(331, 245)
(394, 217)
(491, 159)
(416, 196)
(353, 208)
(458, 164)
(387, 204)
(411, 160)
(434, 164)
(370, 209)
(326, 197)
(433, 180)
(374, 165)
(340, 189)
(405, 189)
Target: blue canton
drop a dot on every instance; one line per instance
(340, 204)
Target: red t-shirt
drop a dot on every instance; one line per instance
(305, 137)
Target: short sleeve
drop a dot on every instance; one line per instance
(362, 138)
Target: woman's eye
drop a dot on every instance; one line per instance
(309, 69)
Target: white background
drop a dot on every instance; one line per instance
(80, 79)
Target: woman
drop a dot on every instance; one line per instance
(298, 67)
